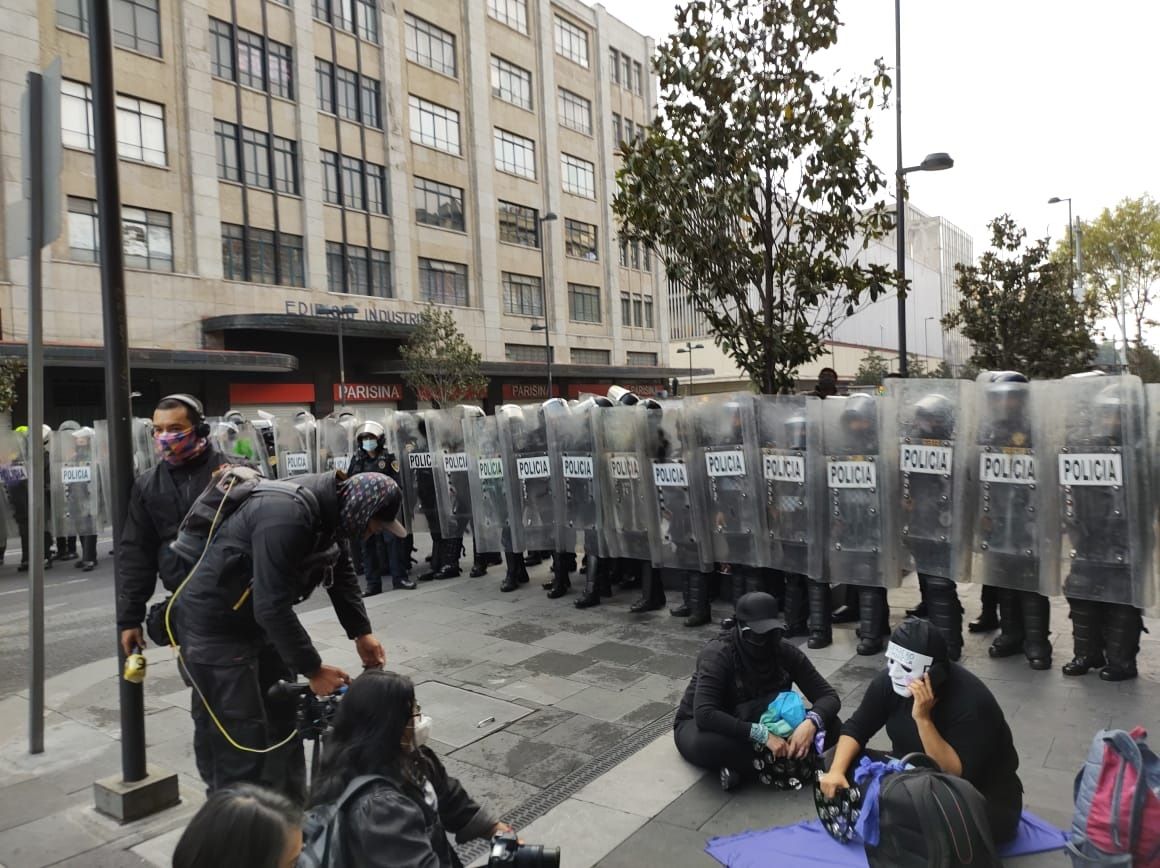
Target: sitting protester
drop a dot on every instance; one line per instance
(934, 707)
(242, 826)
(401, 819)
(739, 674)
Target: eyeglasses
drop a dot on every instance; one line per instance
(417, 711)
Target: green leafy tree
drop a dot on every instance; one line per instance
(1144, 363)
(755, 182)
(1018, 311)
(439, 360)
(872, 371)
(11, 370)
(941, 371)
(916, 366)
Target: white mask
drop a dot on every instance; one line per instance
(370, 444)
(905, 667)
(422, 731)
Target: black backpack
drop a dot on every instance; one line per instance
(928, 819)
(321, 828)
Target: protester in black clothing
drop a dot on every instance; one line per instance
(237, 628)
(400, 820)
(159, 501)
(382, 553)
(738, 674)
(827, 385)
(932, 706)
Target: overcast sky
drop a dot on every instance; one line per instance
(1033, 99)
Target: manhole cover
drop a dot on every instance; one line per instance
(458, 715)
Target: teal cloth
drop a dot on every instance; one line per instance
(785, 714)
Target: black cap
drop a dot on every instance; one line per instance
(920, 636)
(758, 611)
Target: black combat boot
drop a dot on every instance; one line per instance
(597, 581)
(770, 581)
(652, 585)
(1036, 629)
(847, 613)
(451, 548)
(921, 610)
(1087, 636)
(736, 577)
(1122, 626)
(436, 559)
(988, 619)
(875, 622)
(479, 561)
(65, 552)
(797, 605)
(629, 572)
(699, 600)
(684, 609)
(561, 584)
(941, 599)
(517, 573)
(1010, 638)
(533, 559)
(821, 632)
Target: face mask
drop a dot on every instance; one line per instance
(422, 731)
(370, 444)
(905, 667)
(754, 640)
(179, 447)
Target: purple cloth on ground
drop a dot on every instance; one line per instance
(808, 843)
(868, 776)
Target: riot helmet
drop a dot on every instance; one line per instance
(370, 436)
(235, 416)
(1107, 413)
(860, 415)
(796, 432)
(69, 425)
(934, 418)
(1006, 395)
(621, 395)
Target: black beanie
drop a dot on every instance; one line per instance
(921, 637)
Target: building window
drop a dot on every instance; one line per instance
(615, 128)
(647, 255)
(580, 240)
(342, 14)
(233, 252)
(438, 204)
(226, 137)
(582, 356)
(371, 114)
(332, 192)
(346, 93)
(430, 46)
(511, 83)
(515, 154)
(625, 309)
(626, 72)
(256, 157)
(136, 23)
(434, 125)
(637, 320)
(624, 253)
(579, 176)
(376, 180)
(380, 285)
(221, 49)
(513, 13)
(352, 184)
(526, 353)
(522, 295)
(290, 260)
(648, 312)
(368, 20)
(140, 124)
(637, 78)
(642, 360)
(248, 59)
(324, 84)
(614, 65)
(519, 224)
(359, 272)
(583, 302)
(285, 165)
(442, 282)
(262, 256)
(281, 70)
(146, 236)
(629, 135)
(571, 41)
(575, 112)
(634, 249)
(251, 68)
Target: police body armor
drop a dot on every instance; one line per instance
(576, 492)
(421, 512)
(625, 491)
(449, 467)
(531, 510)
(76, 484)
(486, 475)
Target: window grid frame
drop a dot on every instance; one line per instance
(584, 303)
(508, 143)
(573, 172)
(417, 30)
(514, 219)
(449, 117)
(576, 233)
(430, 267)
(530, 291)
(570, 104)
(511, 73)
(569, 38)
(424, 189)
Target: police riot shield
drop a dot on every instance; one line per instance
(572, 447)
(679, 531)
(723, 433)
(524, 433)
(862, 545)
(144, 450)
(624, 488)
(789, 435)
(422, 514)
(239, 439)
(14, 477)
(449, 467)
(76, 483)
(1102, 478)
(935, 427)
(486, 477)
(336, 443)
(295, 449)
(1007, 461)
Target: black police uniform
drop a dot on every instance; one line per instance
(379, 555)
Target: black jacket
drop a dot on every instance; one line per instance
(159, 501)
(382, 462)
(264, 559)
(722, 683)
(391, 822)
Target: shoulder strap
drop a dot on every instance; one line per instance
(352, 790)
(1125, 745)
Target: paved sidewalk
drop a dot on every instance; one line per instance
(538, 708)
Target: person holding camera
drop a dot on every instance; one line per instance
(931, 706)
(400, 818)
(243, 826)
(739, 673)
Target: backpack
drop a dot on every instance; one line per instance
(928, 819)
(1117, 803)
(321, 836)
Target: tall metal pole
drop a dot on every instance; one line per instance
(117, 404)
(544, 300)
(900, 229)
(35, 439)
(690, 345)
(1071, 245)
(341, 359)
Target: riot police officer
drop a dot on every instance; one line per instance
(16, 484)
(381, 552)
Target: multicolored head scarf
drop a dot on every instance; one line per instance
(367, 495)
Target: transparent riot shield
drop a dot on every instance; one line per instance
(935, 427)
(422, 513)
(239, 440)
(524, 433)
(76, 483)
(336, 443)
(576, 497)
(14, 477)
(723, 432)
(144, 450)
(789, 434)
(1102, 475)
(1007, 454)
(449, 466)
(625, 493)
(861, 481)
(680, 533)
(295, 449)
(486, 477)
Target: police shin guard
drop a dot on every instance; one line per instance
(922, 610)
(561, 584)
(945, 612)
(737, 581)
(1087, 636)
(517, 573)
(653, 590)
(765, 581)
(1036, 625)
(684, 608)
(821, 631)
(596, 582)
(1010, 638)
(699, 599)
(450, 549)
(629, 573)
(436, 557)
(988, 618)
(797, 605)
(875, 621)
(1122, 626)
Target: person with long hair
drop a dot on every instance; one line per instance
(242, 826)
(402, 819)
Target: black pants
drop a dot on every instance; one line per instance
(24, 543)
(89, 548)
(714, 751)
(374, 561)
(236, 692)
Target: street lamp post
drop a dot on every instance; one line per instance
(547, 218)
(926, 335)
(341, 313)
(1055, 200)
(688, 348)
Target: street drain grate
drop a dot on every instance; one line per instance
(571, 783)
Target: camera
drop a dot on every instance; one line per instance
(507, 850)
(313, 713)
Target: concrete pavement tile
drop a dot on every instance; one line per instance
(606, 705)
(617, 652)
(1048, 792)
(435, 612)
(568, 642)
(178, 698)
(694, 807)
(644, 784)
(47, 841)
(658, 843)
(758, 807)
(608, 675)
(669, 665)
(547, 689)
(585, 734)
(503, 651)
(400, 650)
(490, 789)
(521, 631)
(413, 628)
(30, 800)
(443, 663)
(498, 608)
(647, 713)
(1069, 747)
(570, 826)
(80, 776)
(556, 663)
(65, 744)
(176, 755)
(658, 688)
(463, 716)
(539, 721)
(493, 676)
(533, 762)
(158, 852)
(459, 641)
(164, 725)
(111, 856)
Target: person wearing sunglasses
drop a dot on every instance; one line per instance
(739, 674)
